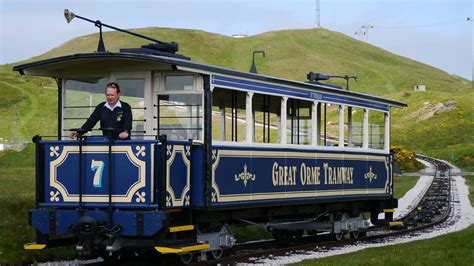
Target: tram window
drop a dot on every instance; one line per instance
(133, 91)
(180, 116)
(179, 83)
(357, 127)
(298, 121)
(266, 112)
(330, 124)
(228, 115)
(80, 99)
(376, 129)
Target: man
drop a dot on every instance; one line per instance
(113, 114)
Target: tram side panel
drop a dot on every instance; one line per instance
(253, 176)
(179, 158)
(72, 176)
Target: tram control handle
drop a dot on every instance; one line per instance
(79, 132)
(109, 132)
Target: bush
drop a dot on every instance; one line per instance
(465, 161)
(406, 160)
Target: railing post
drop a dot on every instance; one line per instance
(38, 170)
(249, 118)
(110, 209)
(208, 141)
(283, 136)
(349, 126)
(162, 183)
(315, 124)
(341, 126)
(365, 140)
(387, 132)
(60, 108)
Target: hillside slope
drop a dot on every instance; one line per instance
(289, 54)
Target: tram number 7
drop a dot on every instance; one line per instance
(98, 167)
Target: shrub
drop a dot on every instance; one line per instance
(406, 160)
(465, 161)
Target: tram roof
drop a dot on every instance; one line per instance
(89, 65)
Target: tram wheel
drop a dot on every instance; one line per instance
(337, 218)
(355, 234)
(217, 253)
(186, 258)
(338, 236)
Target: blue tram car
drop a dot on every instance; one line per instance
(210, 147)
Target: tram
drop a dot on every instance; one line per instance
(210, 147)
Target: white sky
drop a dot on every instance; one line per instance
(435, 32)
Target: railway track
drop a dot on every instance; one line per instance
(433, 209)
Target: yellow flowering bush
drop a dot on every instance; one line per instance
(465, 161)
(406, 160)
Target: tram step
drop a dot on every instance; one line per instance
(394, 224)
(182, 249)
(33, 246)
(181, 228)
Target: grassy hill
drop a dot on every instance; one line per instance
(437, 122)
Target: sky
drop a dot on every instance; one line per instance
(435, 32)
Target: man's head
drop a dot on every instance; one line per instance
(112, 92)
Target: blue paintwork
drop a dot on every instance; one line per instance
(178, 156)
(259, 187)
(152, 221)
(266, 88)
(197, 180)
(131, 173)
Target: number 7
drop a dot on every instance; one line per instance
(98, 167)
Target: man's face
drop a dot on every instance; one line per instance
(112, 95)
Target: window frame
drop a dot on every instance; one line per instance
(316, 129)
(64, 107)
(159, 83)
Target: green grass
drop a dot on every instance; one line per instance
(17, 176)
(470, 183)
(28, 107)
(402, 184)
(443, 134)
(249, 233)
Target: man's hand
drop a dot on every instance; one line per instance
(123, 135)
(73, 135)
